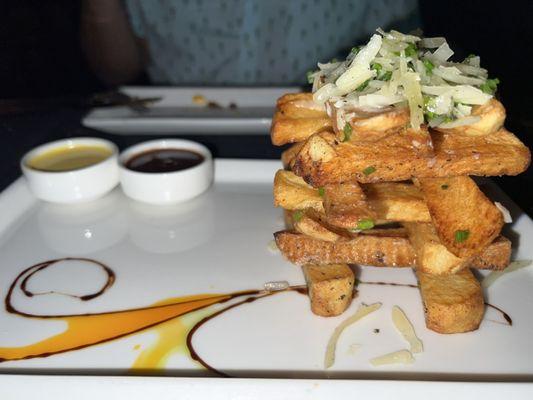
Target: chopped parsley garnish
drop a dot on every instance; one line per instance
(369, 170)
(376, 67)
(410, 50)
(310, 77)
(347, 132)
(356, 49)
(461, 235)
(429, 66)
(363, 85)
(490, 86)
(297, 216)
(445, 186)
(365, 224)
(386, 76)
(321, 191)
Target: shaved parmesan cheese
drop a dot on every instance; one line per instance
(460, 93)
(432, 43)
(276, 286)
(514, 266)
(414, 98)
(325, 92)
(442, 53)
(406, 329)
(395, 68)
(378, 100)
(452, 74)
(361, 312)
(505, 212)
(273, 247)
(397, 357)
(359, 70)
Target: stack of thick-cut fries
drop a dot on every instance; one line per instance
(391, 196)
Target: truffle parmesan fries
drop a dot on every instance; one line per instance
(379, 169)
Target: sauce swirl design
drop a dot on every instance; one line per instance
(85, 330)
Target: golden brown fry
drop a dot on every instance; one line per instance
(290, 130)
(292, 97)
(323, 160)
(397, 202)
(330, 288)
(288, 155)
(292, 193)
(431, 255)
(452, 303)
(465, 220)
(301, 109)
(492, 116)
(313, 228)
(379, 248)
(346, 205)
(391, 201)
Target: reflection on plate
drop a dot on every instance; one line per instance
(172, 228)
(84, 228)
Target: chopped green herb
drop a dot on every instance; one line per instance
(376, 67)
(429, 66)
(396, 53)
(411, 50)
(310, 77)
(363, 85)
(369, 170)
(461, 236)
(447, 118)
(355, 50)
(429, 115)
(386, 76)
(297, 216)
(321, 191)
(365, 224)
(347, 132)
(490, 86)
(471, 55)
(445, 186)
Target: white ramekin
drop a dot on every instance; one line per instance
(166, 187)
(76, 186)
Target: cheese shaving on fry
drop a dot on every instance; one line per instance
(397, 357)
(406, 329)
(361, 312)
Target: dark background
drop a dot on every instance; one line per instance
(40, 56)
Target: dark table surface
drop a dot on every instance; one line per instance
(20, 133)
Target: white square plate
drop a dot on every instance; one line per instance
(218, 243)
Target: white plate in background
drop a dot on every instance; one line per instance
(177, 113)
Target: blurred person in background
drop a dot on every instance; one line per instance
(229, 42)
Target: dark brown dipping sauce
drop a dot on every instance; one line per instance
(164, 160)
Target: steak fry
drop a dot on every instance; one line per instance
(324, 160)
(391, 201)
(378, 249)
(330, 288)
(465, 220)
(431, 255)
(452, 303)
(346, 206)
